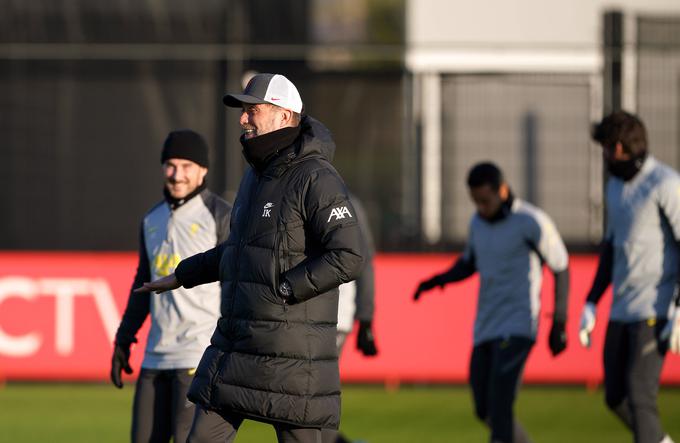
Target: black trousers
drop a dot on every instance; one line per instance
(213, 427)
(161, 409)
(633, 358)
(496, 368)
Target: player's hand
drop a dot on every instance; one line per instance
(587, 324)
(558, 338)
(426, 285)
(166, 283)
(365, 339)
(671, 332)
(120, 362)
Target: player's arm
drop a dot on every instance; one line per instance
(552, 251)
(603, 275)
(365, 283)
(463, 268)
(602, 280)
(669, 202)
(136, 311)
(558, 336)
(138, 305)
(365, 296)
(365, 287)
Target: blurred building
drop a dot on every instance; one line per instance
(414, 91)
(520, 83)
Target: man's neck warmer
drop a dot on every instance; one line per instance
(177, 202)
(504, 210)
(260, 150)
(627, 169)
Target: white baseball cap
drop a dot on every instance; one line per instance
(267, 88)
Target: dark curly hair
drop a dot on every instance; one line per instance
(485, 173)
(621, 126)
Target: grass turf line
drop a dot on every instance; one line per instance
(100, 413)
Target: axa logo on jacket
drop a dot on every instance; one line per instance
(339, 213)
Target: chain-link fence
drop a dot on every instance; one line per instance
(536, 128)
(658, 86)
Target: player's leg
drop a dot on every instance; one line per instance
(509, 357)
(151, 407)
(290, 434)
(183, 409)
(616, 362)
(647, 357)
(480, 370)
(211, 427)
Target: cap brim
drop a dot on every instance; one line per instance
(236, 100)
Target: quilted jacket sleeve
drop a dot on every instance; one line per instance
(332, 222)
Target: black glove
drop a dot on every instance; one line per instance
(426, 285)
(365, 340)
(120, 362)
(558, 338)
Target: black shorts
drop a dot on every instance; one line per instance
(161, 409)
(496, 368)
(633, 359)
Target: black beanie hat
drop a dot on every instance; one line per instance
(185, 144)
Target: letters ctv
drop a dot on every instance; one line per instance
(59, 313)
(63, 292)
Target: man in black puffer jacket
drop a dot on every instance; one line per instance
(294, 239)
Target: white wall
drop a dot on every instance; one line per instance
(571, 23)
(514, 35)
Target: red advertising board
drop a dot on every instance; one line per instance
(59, 313)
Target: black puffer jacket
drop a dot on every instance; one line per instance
(270, 360)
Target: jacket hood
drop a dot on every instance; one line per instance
(315, 139)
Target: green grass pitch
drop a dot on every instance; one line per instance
(100, 413)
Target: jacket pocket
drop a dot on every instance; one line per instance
(278, 268)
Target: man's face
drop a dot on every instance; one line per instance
(614, 153)
(261, 119)
(487, 200)
(182, 177)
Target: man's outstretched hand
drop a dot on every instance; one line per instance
(167, 283)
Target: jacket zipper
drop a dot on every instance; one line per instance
(244, 233)
(277, 270)
(234, 283)
(277, 263)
